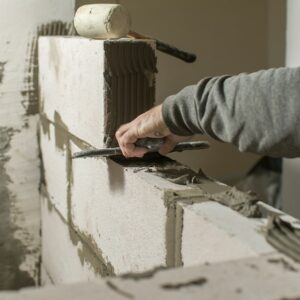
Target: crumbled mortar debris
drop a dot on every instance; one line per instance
(179, 285)
(244, 203)
(143, 275)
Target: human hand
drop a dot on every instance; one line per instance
(149, 124)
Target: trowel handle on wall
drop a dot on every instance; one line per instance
(166, 48)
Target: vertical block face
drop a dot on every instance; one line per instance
(122, 211)
(214, 233)
(95, 86)
(63, 258)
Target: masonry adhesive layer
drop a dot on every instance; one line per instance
(129, 83)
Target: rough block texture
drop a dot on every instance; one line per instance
(95, 86)
(212, 233)
(65, 259)
(124, 209)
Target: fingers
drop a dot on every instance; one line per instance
(130, 150)
(127, 136)
(120, 132)
(149, 124)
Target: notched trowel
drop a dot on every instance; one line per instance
(152, 144)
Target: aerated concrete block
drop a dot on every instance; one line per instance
(94, 86)
(125, 211)
(140, 220)
(213, 233)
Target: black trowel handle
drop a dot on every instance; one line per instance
(166, 48)
(173, 51)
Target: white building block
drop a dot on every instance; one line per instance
(124, 210)
(131, 217)
(64, 260)
(94, 86)
(213, 233)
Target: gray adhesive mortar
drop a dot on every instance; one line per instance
(130, 68)
(174, 221)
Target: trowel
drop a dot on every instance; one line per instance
(152, 144)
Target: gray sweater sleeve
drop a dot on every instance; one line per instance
(258, 112)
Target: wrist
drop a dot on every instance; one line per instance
(164, 129)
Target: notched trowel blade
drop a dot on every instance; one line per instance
(111, 152)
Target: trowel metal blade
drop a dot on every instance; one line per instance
(110, 152)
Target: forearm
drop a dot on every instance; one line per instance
(258, 112)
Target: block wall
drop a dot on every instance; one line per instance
(114, 216)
